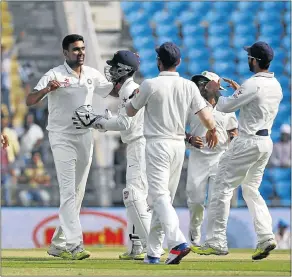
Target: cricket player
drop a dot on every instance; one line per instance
(68, 86)
(203, 161)
(121, 69)
(258, 99)
(167, 100)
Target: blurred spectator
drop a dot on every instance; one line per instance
(40, 112)
(31, 138)
(281, 156)
(35, 176)
(6, 57)
(26, 73)
(282, 235)
(120, 163)
(8, 157)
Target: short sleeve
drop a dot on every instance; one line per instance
(43, 82)
(198, 102)
(142, 96)
(231, 122)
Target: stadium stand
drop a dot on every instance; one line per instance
(211, 36)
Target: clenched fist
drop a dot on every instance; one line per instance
(53, 85)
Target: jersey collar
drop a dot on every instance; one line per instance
(264, 74)
(168, 73)
(70, 70)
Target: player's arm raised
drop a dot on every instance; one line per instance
(44, 86)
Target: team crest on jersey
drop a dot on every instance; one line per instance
(89, 81)
(66, 83)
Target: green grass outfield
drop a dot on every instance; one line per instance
(104, 261)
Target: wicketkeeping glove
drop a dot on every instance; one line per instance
(84, 117)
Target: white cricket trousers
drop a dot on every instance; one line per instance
(202, 169)
(243, 163)
(136, 192)
(72, 156)
(164, 160)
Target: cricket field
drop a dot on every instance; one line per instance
(104, 262)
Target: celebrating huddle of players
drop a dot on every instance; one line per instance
(151, 118)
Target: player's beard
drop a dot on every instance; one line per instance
(251, 67)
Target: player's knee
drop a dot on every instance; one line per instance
(249, 192)
(130, 195)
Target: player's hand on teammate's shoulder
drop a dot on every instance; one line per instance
(212, 138)
(53, 85)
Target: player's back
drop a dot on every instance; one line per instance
(261, 111)
(170, 98)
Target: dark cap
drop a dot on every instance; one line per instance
(260, 50)
(168, 53)
(125, 57)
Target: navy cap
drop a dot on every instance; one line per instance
(125, 57)
(260, 50)
(168, 53)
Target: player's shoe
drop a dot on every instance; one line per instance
(57, 252)
(194, 247)
(263, 249)
(177, 253)
(151, 260)
(206, 249)
(79, 253)
(131, 256)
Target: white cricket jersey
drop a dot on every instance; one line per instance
(167, 100)
(73, 93)
(224, 123)
(258, 99)
(131, 128)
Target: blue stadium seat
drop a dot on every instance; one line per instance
(182, 69)
(285, 202)
(245, 29)
(283, 189)
(143, 42)
(280, 54)
(189, 17)
(218, 41)
(287, 18)
(267, 16)
(192, 29)
(214, 17)
(281, 174)
(239, 17)
(222, 53)
(277, 67)
(177, 7)
(272, 30)
(266, 189)
(140, 30)
(224, 5)
(195, 42)
(223, 67)
(129, 7)
(175, 39)
(273, 41)
(201, 7)
(284, 81)
(288, 68)
(238, 42)
(196, 53)
(288, 30)
(137, 17)
(196, 68)
(149, 69)
(249, 6)
(152, 7)
(166, 30)
(219, 30)
(161, 17)
(275, 135)
(273, 6)
(286, 43)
